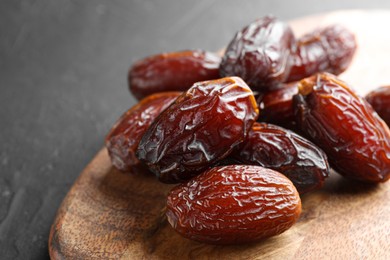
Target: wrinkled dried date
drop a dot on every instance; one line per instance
(345, 126)
(260, 53)
(277, 106)
(265, 53)
(233, 205)
(175, 71)
(328, 49)
(125, 135)
(284, 151)
(380, 101)
(201, 127)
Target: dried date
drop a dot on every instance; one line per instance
(329, 49)
(277, 106)
(380, 101)
(284, 151)
(175, 71)
(260, 53)
(125, 135)
(266, 53)
(345, 126)
(201, 127)
(233, 205)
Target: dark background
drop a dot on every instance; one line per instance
(63, 67)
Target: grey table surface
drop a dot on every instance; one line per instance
(63, 83)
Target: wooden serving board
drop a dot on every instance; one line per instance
(107, 214)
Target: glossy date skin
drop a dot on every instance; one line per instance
(233, 204)
(329, 49)
(124, 137)
(266, 53)
(175, 71)
(201, 127)
(277, 106)
(284, 151)
(345, 126)
(380, 101)
(260, 54)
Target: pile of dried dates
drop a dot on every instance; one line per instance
(245, 134)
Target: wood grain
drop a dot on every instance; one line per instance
(107, 214)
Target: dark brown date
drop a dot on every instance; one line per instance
(260, 54)
(266, 53)
(201, 127)
(175, 71)
(277, 106)
(380, 101)
(345, 126)
(233, 204)
(125, 135)
(329, 49)
(282, 150)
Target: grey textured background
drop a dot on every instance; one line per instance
(63, 67)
